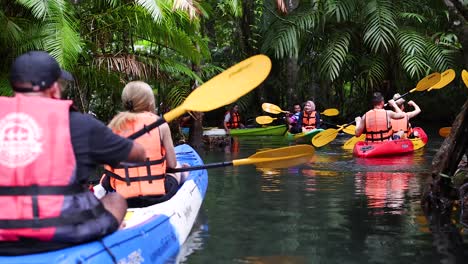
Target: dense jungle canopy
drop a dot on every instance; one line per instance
(336, 52)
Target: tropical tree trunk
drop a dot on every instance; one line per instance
(292, 70)
(196, 127)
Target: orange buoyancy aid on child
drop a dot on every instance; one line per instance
(141, 178)
(377, 126)
(37, 169)
(309, 120)
(401, 125)
(234, 121)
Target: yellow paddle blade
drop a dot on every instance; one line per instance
(427, 82)
(280, 157)
(349, 144)
(465, 77)
(445, 78)
(417, 143)
(263, 120)
(325, 137)
(331, 112)
(445, 131)
(350, 130)
(226, 87)
(271, 108)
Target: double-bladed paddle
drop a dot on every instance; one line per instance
(327, 136)
(274, 109)
(273, 158)
(263, 120)
(223, 89)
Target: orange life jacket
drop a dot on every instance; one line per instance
(141, 178)
(401, 125)
(37, 168)
(234, 121)
(377, 128)
(309, 120)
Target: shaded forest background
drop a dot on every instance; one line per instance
(335, 52)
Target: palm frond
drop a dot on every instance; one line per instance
(374, 72)
(412, 17)
(154, 8)
(339, 9)
(61, 37)
(415, 65)
(439, 58)
(190, 6)
(39, 9)
(334, 55)
(11, 31)
(411, 42)
(380, 27)
(283, 37)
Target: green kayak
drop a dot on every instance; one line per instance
(260, 131)
(304, 137)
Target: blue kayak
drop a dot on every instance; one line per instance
(152, 234)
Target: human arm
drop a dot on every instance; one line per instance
(416, 110)
(398, 114)
(360, 125)
(168, 145)
(105, 147)
(227, 117)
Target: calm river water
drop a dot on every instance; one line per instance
(335, 209)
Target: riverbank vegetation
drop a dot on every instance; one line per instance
(336, 52)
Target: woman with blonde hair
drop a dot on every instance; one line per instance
(144, 183)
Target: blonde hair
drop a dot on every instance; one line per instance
(137, 97)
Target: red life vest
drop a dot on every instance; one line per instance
(377, 128)
(234, 121)
(401, 125)
(37, 166)
(309, 120)
(141, 178)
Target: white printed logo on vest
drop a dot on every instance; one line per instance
(19, 140)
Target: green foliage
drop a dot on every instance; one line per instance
(380, 27)
(334, 55)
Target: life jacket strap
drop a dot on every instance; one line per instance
(63, 220)
(123, 165)
(41, 190)
(134, 179)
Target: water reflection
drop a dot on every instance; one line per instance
(334, 209)
(384, 190)
(195, 241)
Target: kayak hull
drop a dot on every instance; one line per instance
(260, 131)
(304, 137)
(152, 234)
(364, 149)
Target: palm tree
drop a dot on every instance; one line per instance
(351, 47)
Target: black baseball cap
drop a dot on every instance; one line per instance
(36, 71)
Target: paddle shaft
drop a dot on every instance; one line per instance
(202, 167)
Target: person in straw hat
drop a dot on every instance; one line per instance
(402, 127)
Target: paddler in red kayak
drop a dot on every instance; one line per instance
(376, 123)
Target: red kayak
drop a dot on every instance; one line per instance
(390, 148)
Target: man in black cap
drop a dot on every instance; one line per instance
(47, 153)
